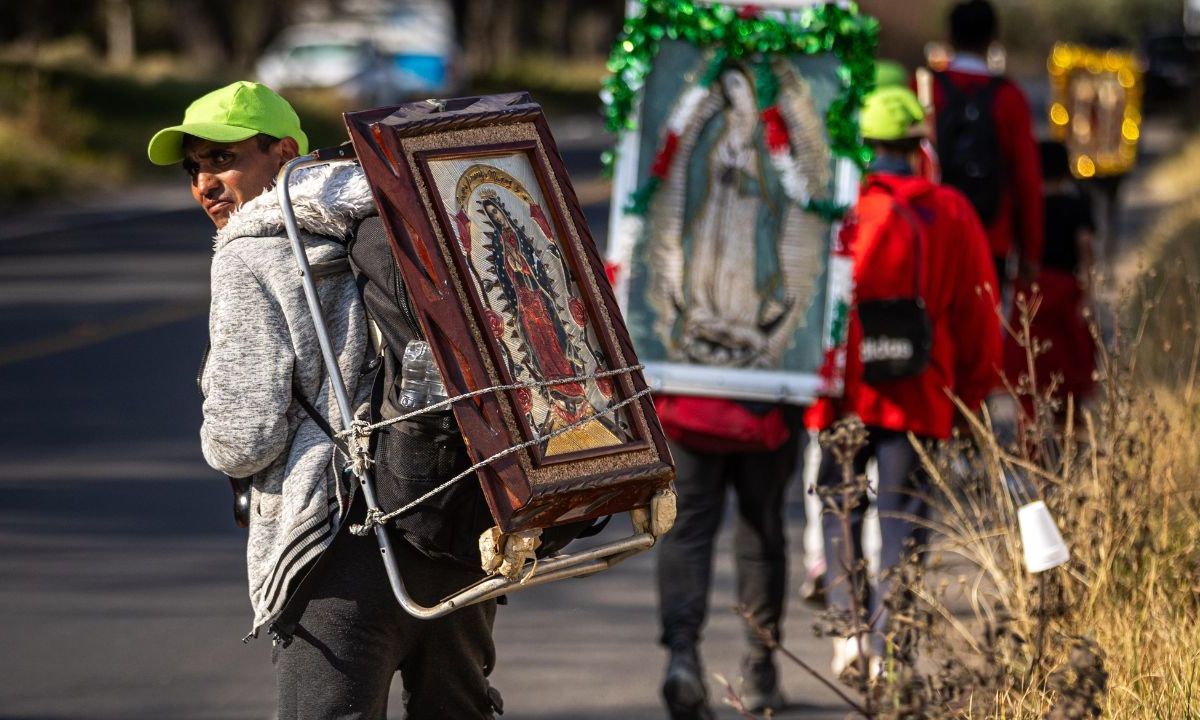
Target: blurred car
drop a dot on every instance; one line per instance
(417, 40)
(342, 58)
(405, 50)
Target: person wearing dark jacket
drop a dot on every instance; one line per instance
(1015, 225)
(910, 239)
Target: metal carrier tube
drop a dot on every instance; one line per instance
(579, 564)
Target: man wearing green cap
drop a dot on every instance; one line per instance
(245, 131)
(923, 325)
(320, 591)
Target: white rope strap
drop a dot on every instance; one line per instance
(375, 518)
(361, 428)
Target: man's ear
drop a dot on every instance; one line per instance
(288, 149)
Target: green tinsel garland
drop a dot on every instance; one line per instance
(766, 84)
(827, 210)
(825, 28)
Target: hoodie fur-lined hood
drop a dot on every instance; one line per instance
(328, 200)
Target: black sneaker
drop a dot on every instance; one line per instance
(760, 684)
(683, 688)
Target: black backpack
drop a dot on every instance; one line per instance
(414, 456)
(968, 145)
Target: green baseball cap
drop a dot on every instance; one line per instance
(891, 113)
(890, 72)
(234, 113)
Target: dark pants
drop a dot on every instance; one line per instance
(352, 637)
(902, 481)
(685, 554)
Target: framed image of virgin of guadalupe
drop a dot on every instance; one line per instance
(509, 290)
(738, 153)
(1096, 108)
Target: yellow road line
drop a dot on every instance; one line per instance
(82, 336)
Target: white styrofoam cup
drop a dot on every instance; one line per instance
(1043, 544)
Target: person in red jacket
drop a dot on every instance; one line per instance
(918, 249)
(985, 142)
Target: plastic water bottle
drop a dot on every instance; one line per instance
(420, 381)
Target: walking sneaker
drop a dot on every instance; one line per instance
(760, 683)
(848, 659)
(683, 687)
(812, 589)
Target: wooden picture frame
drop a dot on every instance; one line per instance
(1096, 108)
(509, 289)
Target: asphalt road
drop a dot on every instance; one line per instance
(122, 579)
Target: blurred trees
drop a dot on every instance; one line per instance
(230, 34)
(494, 32)
(1034, 24)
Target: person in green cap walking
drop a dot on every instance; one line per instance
(923, 327)
(319, 591)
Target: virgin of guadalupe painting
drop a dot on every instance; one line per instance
(732, 262)
(738, 153)
(531, 300)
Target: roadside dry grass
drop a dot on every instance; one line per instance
(1115, 632)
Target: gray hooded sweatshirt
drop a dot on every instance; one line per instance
(263, 344)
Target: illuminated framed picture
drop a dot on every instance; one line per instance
(1096, 108)
(738, 152)
(510, 292)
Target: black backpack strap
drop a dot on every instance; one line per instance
(959, 96)
(904, 209)
(987, 93)
(953, 92)
(320, 420)
(595, 528)
(330, 267)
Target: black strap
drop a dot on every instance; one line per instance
(905, 210)
(320, 420)
(330, 267)
(960, 96)
(595, 528)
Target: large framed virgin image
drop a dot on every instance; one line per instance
(510, 292)
(737, 155)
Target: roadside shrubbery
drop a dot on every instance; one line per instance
(1116, 631)
(67, 122)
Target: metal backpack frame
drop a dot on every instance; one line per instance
(587, 562)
